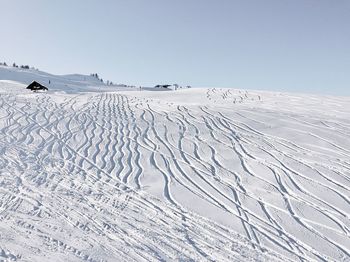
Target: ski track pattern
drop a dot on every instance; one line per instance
(114, 177)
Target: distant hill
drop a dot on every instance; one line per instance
(68, 83)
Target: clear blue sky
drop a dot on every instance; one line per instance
(286, 45)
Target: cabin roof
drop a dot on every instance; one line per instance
(36, 86)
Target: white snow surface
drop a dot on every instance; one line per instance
(96, 173)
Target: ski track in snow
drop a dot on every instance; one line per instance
(121, 176)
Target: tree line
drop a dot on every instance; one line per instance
(98, 78)
(18, 66)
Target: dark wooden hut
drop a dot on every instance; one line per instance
(35, 86)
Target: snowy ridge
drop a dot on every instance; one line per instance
(72, 83)
(199, 174)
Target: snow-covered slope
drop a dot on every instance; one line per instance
(73, 83)
(190, 175)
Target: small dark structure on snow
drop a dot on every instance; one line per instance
(35, 86)
(162, 86)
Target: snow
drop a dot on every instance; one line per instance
(90, 172)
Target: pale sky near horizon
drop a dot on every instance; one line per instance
(283, 45)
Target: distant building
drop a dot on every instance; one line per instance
(162, 86)
(35, 86)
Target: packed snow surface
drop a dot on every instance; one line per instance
(96, 173)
